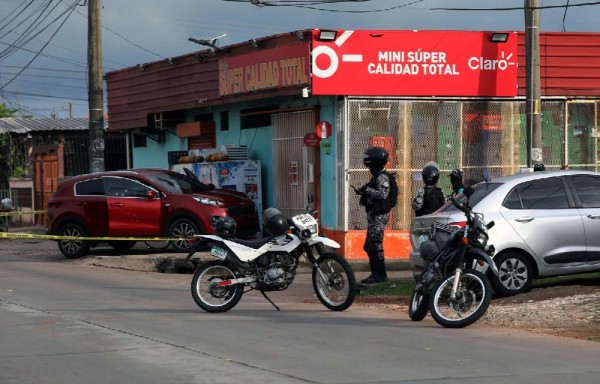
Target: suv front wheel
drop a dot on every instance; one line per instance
(73, 249)
(182, 229)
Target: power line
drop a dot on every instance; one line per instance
(518, 8)
(16, 16)
(309, 4)
(40, 51)
(17, 44)
(44, 69)
(565, 16)
(54, 85)
(46, 76)
(74, 51)
(75, 63)
(124, 38)
(44, 96)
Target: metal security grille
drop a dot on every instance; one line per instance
(76, 152)
(583, 134)
(486, 139)
(292, 161)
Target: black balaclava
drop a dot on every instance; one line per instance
(375, 169)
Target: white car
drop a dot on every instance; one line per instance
(546, 224)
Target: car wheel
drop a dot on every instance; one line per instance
(73, 248)
(182, 229)
(515, 274)
(121, 246)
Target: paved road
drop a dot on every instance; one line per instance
(67, 322)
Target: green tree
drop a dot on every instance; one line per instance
(7, 112)
(5, 147)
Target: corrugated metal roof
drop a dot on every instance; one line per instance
(20, 125)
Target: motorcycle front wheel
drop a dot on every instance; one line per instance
(206, 290)
(418, 305)
(473, 298)
(334, 282)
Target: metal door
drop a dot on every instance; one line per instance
(294, 163)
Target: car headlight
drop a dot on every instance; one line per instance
(209, 201)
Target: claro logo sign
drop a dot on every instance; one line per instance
(484, 64)
(414, 63)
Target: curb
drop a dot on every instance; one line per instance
(178, 264)
(175, 263)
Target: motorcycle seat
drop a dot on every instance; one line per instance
(254, 244)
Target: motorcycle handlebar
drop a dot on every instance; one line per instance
(461, 206)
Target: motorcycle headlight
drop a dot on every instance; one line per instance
(209, 201)
(482, 239)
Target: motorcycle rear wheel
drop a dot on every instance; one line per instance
(336, 287)
(206, 292)
(418, 306)
(473, 299)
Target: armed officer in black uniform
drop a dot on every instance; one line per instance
(374, 197)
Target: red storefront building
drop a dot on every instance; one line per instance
(454, 97)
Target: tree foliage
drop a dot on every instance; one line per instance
(5, 147)
(7, 112)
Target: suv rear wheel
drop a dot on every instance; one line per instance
(73, 249)
(182, 229)
(515, 274)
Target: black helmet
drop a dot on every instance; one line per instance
(431, 173)
(274, 222)
(225, 226)
(539, 167)
(375, 157)
(456, 175)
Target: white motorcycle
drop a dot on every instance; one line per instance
(269, 264)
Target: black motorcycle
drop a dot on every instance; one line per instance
(450, 286)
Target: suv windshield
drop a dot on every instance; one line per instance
(481, 190)
(177, 183)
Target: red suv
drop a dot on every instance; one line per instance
(142, 203)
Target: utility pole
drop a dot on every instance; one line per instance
(532, 74)
(95, 92)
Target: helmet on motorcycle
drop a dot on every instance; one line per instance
(430, 173)
(274, 222)
(225, 226)
(375, 157)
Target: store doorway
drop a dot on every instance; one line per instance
(295, 165)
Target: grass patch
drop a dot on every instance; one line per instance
(392, 287)
(404, 287)
(581, 279)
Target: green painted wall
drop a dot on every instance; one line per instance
(260, 147)
(154, 155)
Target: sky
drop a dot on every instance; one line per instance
(43, 43)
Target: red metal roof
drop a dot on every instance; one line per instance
(569, 64)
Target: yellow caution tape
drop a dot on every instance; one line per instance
(13, 213)
(16, 235)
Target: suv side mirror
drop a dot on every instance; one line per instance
(151, 194)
